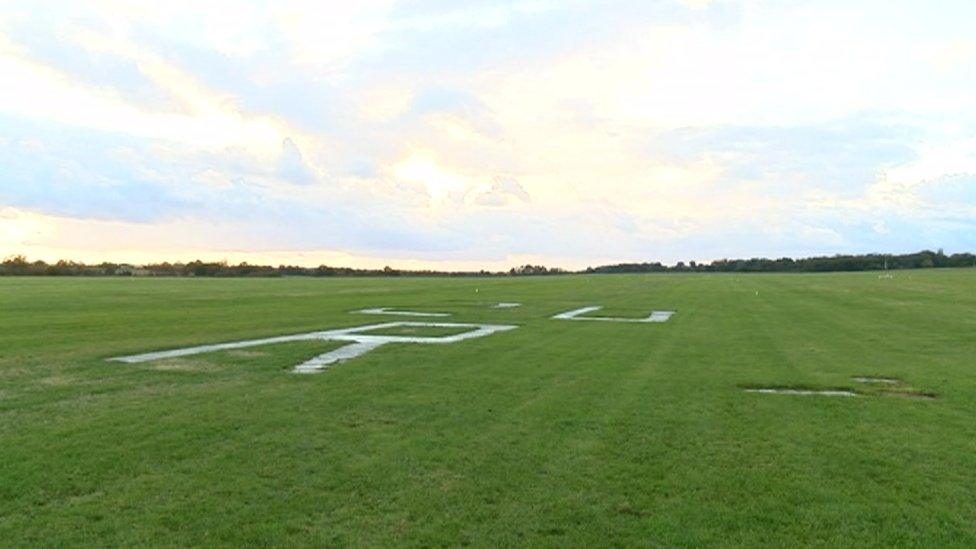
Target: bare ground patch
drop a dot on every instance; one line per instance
(58, 381)
(184, 365)
(910, 394)
(892, 386)
(14, 372)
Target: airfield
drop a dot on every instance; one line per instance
(677, 409)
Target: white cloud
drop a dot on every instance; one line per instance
(497, 130)
(696, 4)
(29, 88)
(326, 34)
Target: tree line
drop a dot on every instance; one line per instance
(924, 259)
(20, 266)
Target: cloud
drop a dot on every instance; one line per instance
(291, 166)
(502, 192)
(441, 133)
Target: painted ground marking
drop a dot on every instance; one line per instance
(361, 342)
(576, 314)
(802, 392)
(390, 311)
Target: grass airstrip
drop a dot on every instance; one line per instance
(707, 429)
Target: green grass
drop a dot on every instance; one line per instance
(554, 434)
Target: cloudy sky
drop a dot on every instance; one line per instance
(469, 134)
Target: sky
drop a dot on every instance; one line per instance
(485, 134)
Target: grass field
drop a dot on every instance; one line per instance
(556, 433)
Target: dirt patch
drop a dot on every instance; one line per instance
(184, 365)
(247, 354)
(12, 373)
(58, 381)
(910, 394)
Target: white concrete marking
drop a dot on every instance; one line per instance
(361, 342)
(576, 314)
(802, 392)
(323, 361)
(390, 311)
(867, 379)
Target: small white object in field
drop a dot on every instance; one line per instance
(504, 305)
